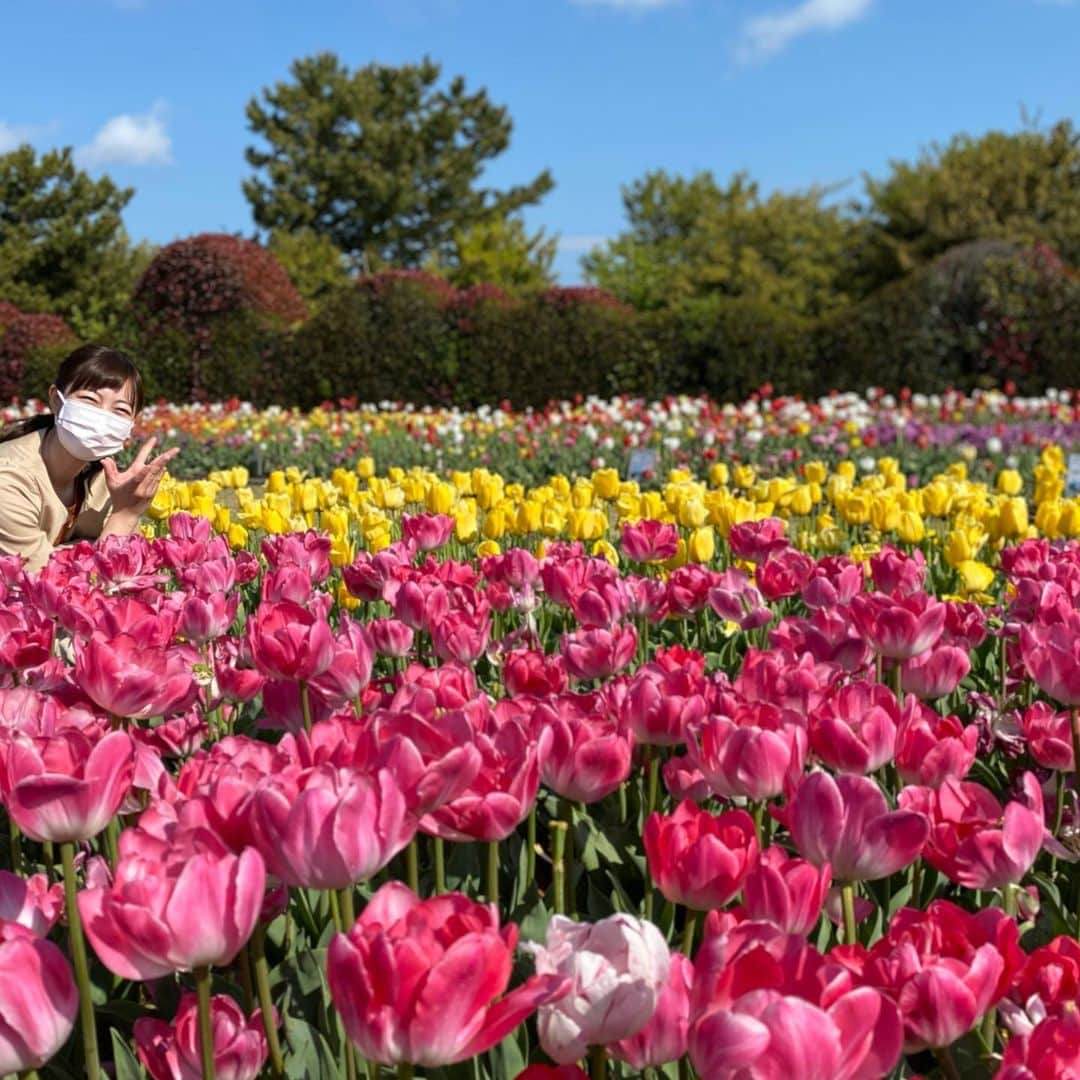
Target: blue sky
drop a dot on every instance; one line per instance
(793, 91)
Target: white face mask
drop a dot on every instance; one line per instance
(89, 433)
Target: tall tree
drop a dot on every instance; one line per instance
(312, 260)
(692, 237)
(63, 248)
(384, 161)
(500, 252)
(1022, 186)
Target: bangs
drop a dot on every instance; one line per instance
(96, 368)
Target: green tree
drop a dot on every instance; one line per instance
(692, 238)
(500, 252)
(1023, 187)
(383, 160)
(312, 260)
(63, 249)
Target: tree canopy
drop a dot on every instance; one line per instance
(500, 252)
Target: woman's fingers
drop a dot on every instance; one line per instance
(144, 451)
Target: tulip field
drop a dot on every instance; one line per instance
(433, 744)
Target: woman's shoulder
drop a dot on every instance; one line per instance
(24, 451)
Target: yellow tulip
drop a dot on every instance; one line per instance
(603, 550)
(910, 528)
(1010, 482)
(486, 548)
(1013, 518)
(237, 537)
(606, 483)
(440, 497)
(701, 547)
(974, 576)
(365, 468)
(719, 474)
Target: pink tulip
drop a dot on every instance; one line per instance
(30, 902)
(528, 671)
(308, 550)
(931, 748)
(552, 1072)
(1050, 1052)
(661, 703)
(206, 618)
(688, 590)
(943, 967)
(757, 753)
(588, 755)
(616, 968)
(649, 541)
(700, 859)
(935, 673)
(898, 627)
(684, 781)
(1051, 655)
(350, 669)
(853, 729)
(1048, 733)
(733, 598)
(784, 574)
(173, 1051)
(893, 571)
(663, 1038)
(288, 641)
(424, 981)
(391, 637)
(172, 905)
(128, 678)
(844, 821)
(327, 828)
(38, 999)
(755, 541)
(422, 604)
(427, 532)
(25, 637)
(766, 1005)
(972, 840)
(787, 892)
(598, 653)
(65, 788)
(462, 636)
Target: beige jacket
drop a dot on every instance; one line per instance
(33, 519)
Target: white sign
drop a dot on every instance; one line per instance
(641, 462)
(1072, 477)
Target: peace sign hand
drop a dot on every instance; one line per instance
(133, 490)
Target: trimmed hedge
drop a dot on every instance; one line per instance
(31, 348)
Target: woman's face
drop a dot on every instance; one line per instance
(119, 401)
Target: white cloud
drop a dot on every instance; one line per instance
(765, 35)
(580, 244)
(130, 139)
(629, 5)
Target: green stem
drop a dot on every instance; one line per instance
(305, 706)
(50, 861)
(566, 812)
(348, 910)
(412, 866)
(688, 934)
(16, 847)
(112, 842)
(266, 1002)
(757, 811)
(243, 964)
(650, 806)
(847, 893)
(440, 865)
(405, 1071)
(493, 872)
(948, 1065)
(82, 968)
(558, 866)
(335, 908)
(530, 841)
(597, 1063)
(206, 1028)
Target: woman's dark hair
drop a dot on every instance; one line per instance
(89, 367)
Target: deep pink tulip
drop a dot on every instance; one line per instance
(172, 906)
(327, 828)
(552, 1072)
(517, 569)
(427, 532)
(68, 787)
(894, 571)
(660, 703)
(836, 579)
(1048, 732)
(853, 729)
(462, 636)
(391, 637)
(784, 574)
(617, 968)
(502, 793)
(588, 754)
(350, 670)
(663, 1038)
(529, 671)
(309, 550)
(424, 981)
(1051, 653)
(174, 1051)
(288, 641)
(38, 999)
(755, 541)
(236, 678)
(688, 589)
(601, 604)
(128, 678)
(1050, 1052)
(844, 821)
(943, 967)
(30, 902)
(700, 859)
(26, 637)
(931, 748)
(649, 541)
(765, 1005)
(787, 892)
(757, 753)
(936, 672)
(684, 780)
(898, 627)
(598, 653)
(973, 841)
(422, 604)
(207, 617)
(735, 599)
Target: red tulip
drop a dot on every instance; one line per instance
(898, 627)
(288, 641)
(128, 678)
(172, 906)
(787, 892)
(327, 828)
(424, 981)
(853, 729)
(844, 821)
(931, 748)
(972, 840)
(38, 999)
(700, 859)
(173, 1051)
(663, 1038)
(65, 788)
(529, 671)
(1050, 1052)
(588, 755)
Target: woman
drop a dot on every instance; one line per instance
(58, 481)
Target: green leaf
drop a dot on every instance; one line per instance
(127, 1065)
